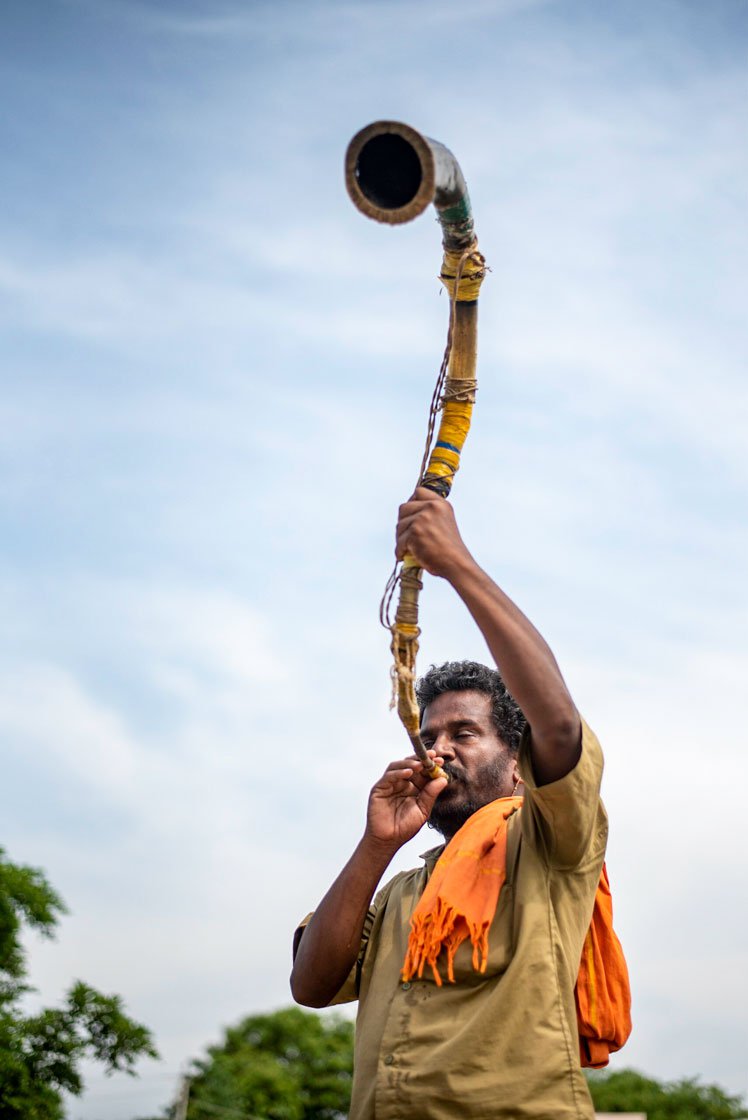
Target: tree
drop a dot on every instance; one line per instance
(628, 1091)
(40, 1054)
(289, 1065)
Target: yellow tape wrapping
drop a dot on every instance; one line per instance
(473, 271)
(453, 430)
(454, 394)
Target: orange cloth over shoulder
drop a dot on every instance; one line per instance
(460, 902)
(602, 993)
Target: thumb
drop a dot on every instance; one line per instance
(431, 791)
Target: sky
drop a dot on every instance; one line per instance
(215, 379)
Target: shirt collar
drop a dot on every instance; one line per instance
(431, 856)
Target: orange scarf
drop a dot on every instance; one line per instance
(602, 994)
(460, 901)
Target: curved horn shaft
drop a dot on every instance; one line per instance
(392, 174)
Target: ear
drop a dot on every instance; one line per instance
(518, 785)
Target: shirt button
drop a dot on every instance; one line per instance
(389, 1060)
(406, 986)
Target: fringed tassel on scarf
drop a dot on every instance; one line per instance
(462, 894)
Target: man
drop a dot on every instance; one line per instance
(499, 1044)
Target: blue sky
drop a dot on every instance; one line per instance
(202, 339)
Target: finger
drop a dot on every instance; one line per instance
(397, 790)
(409, 509)
(422, 781)
(422, 777)
(407, 773)
(411, 523)
(391, 777)
(430, 793)
(409, 767)
(412, 510)
(425, 494)
(402, 545)
(406, 527)
(416, 772)
(412, 763)
(419, 782)
(420, 495)
(395, 779)
(408, 516)
(436, 786)
(407, 539)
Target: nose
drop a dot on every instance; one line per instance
(444, 746)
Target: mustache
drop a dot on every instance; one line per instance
(454, 773)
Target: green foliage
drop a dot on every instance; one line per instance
(26, 898)
(40, 1054)
(295, 1065)
(628, 1091)
(289, 1065)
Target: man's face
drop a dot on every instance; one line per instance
(458, 726)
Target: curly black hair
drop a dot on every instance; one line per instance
(464, 676)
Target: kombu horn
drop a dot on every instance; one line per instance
(393, 173)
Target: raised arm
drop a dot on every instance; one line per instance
(428, 531)
(399, 805)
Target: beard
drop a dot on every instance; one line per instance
(463, 796)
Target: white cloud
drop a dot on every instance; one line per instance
(44, 711)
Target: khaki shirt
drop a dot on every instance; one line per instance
(502, 1045)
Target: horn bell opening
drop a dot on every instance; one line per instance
(389, 171)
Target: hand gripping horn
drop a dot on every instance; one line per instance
(392, 174)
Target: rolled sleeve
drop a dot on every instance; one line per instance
(565, 820)
(349, 991)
